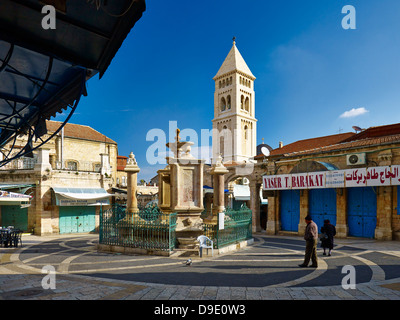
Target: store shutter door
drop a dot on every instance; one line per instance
(14, 216)
(322, 206)
(77, 219)
(290, 210)
(361, 212)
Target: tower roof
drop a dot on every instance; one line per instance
(234, 62)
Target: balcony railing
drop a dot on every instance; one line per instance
(86, 166)
(29, 164)
(20, 164)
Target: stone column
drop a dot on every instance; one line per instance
(218, 171)
(105, 164)
(273, 211)
(43, 160)
(132, 170)
(342, 228)
(303, 211)
(384, 210)
(255, 205)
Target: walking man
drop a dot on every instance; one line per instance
(311, 237)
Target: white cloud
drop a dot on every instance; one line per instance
(353, 113)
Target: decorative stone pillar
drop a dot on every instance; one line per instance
(132, 170)
(218, 171)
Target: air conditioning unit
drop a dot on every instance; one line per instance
(355, 159)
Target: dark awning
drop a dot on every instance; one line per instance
(43, 72)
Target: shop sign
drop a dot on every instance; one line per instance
(81, 202)
(334, 179)
(395, 175)
(358, 177)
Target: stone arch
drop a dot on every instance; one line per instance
(312, 166)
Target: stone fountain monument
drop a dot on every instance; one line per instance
(181, 191)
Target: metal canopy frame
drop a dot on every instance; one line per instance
(43, 72)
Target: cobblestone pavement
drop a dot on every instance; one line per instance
(267, 270)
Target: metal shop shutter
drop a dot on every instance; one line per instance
(77, 219)
(14, 216)
(361, 212)
(322, 206)
(290, 210)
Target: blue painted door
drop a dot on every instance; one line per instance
(14, 216)
(77, 219)
(322, 206)
(290, 210)
(361, 212)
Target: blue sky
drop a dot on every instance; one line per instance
(309, 70)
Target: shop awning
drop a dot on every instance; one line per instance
(81, 196)
(7, 197)
(241, 192)
(208, 189)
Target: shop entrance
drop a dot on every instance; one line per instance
(322, 206)
(290, 210)
(361, 212)
(77, 219)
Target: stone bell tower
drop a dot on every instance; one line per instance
(234, 123)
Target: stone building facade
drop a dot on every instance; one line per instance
(69, 179)
(351, 179)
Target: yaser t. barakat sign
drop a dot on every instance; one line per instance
(357, 177)
(310, 180)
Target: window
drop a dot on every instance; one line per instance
(229, 102)
(242, 102)
(97, 167)
(223, 104)
(72, 165)
(247, 104)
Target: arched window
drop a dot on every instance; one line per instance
(220, 84)
(223, 104)
(247, 104)
(246, 132)
(230, 80)
(223, 83)
(242, 102)
(229, 102)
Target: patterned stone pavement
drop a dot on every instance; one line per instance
(267, 270)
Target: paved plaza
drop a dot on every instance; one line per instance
(267, 270)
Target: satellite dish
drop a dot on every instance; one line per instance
(265, 151)
(357, 128)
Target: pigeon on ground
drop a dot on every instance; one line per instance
(188, 262)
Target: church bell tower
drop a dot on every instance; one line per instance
(234, 123)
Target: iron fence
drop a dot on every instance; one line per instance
(148, 229)
(237, 227)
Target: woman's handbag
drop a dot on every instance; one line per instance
(323, 236)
